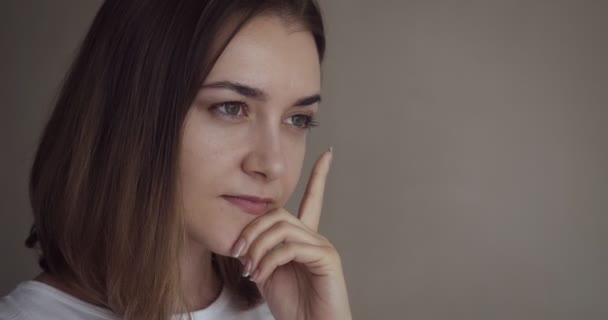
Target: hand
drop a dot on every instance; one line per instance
(297, 270)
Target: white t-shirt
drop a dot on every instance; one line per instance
(33, 300)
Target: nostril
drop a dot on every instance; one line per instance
(264, 164)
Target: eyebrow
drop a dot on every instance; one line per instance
(256, 93)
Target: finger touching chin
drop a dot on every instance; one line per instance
(218, 239)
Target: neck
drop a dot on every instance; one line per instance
(200, 284)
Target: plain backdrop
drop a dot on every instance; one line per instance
(470, 178)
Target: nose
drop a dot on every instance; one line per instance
(265, 159)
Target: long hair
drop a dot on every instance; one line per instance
(103, 185)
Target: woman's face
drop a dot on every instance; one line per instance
(245, 133)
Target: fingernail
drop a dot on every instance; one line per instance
(331, 149)
(247, 269)
(255, 275)
(238, 247)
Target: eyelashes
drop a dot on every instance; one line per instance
(305, 121)
(230, 108)
(236, 109)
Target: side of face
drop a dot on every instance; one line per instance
(245, 133)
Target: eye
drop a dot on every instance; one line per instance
(303, 121)
(229, 108)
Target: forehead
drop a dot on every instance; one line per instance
(269, 53)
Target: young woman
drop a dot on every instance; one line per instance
(159, 182)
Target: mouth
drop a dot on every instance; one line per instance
(250, 204)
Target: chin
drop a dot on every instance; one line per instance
(224, 240)
(218, 233)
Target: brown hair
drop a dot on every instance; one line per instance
(103, 185)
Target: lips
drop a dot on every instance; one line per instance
(250, 204)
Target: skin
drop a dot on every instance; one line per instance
(257, 151)
(256, 147)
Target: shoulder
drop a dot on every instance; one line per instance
(36, 300)
(11, 306)
(9, 310)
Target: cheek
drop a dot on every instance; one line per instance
(210, 221)
(210, 165)
(214, 226)
(204, 169)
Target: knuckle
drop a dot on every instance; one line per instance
(256, 248)
(263, 263)
(247, 234)
(268, 261)
(250, 229)
(336, 256)
(253, 251)
(324, 239)
(331, 251)
(288, 247)
(282, 225)
(279, 213)
(278, 230)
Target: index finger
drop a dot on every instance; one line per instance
(312, 201)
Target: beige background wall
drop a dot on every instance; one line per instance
(470, 178)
